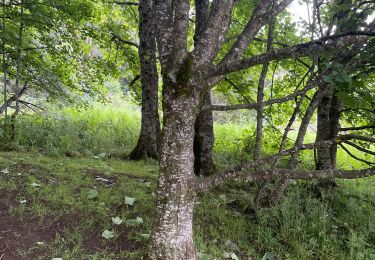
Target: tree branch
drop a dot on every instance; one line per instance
(212, 37)
(360, 148)
(261, 15)
(235, 172)
(299, 175)
(120, 39)
(329, 43)
(124, 3)
(264, 104)
(180, 31)
(355, 157)
(164, 32)
(357, 137)
(357, 128)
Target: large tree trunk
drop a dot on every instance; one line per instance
(323, 160)
(204, 140)
(148, 141)
(204, 125)
(328, 128)
(172, 236)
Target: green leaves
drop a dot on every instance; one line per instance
(117, 220)
(92, 194)
(35, 185)
(129, 201)
(268, 256)
(135, 222)
(108, 234)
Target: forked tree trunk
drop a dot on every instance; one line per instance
(204, 140)
(148, 141)
(172, 236)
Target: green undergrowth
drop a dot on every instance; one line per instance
(103, 129)
(72, 191)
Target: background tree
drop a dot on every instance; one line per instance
(45, 52)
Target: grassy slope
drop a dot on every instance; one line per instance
(331, 226)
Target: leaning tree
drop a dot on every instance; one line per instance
(188, 73)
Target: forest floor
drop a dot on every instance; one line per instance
(101, 208)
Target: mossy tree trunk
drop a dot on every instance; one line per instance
(148, 141)
(204, 140)
(172, 236)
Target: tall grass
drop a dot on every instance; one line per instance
(95, 130)
(113, 129)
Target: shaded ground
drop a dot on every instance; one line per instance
(23, 238)
(42, 210)
(46, 199)
(23, 234)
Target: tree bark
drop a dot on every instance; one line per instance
(148, 141)
(324, 133)
(204, 140)
(204, 125)
(172, 236)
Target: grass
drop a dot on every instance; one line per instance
(100, 129)
(63, 156)
(304, 226)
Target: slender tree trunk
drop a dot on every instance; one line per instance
(204, 140)
(336, 106)
(204, 125)
(328, 128)
(329, 108)
(172, 236)
(324, 133)
(148, 142)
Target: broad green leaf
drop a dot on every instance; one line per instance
(129, 201)
(223, 197)
(234, 256)
(145, 236)
(134, 222)
(108, 234)
(268, 256)
(35, 185)
(117, 220)
(92, 194)
(5, 171)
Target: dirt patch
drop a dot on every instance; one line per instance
(17, 234)
(95, 243)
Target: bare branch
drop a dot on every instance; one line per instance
(180, 31)
(360, 148)
(357, 128)
(237, 171)
(291, 174)
(164, 32)
(355, 157)
(357, 137)
(260, 17)
(329, 43)
(212, 38)
(28, 104)
(264, 104)
(123, 3)
(13, 98)
(121, 40)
